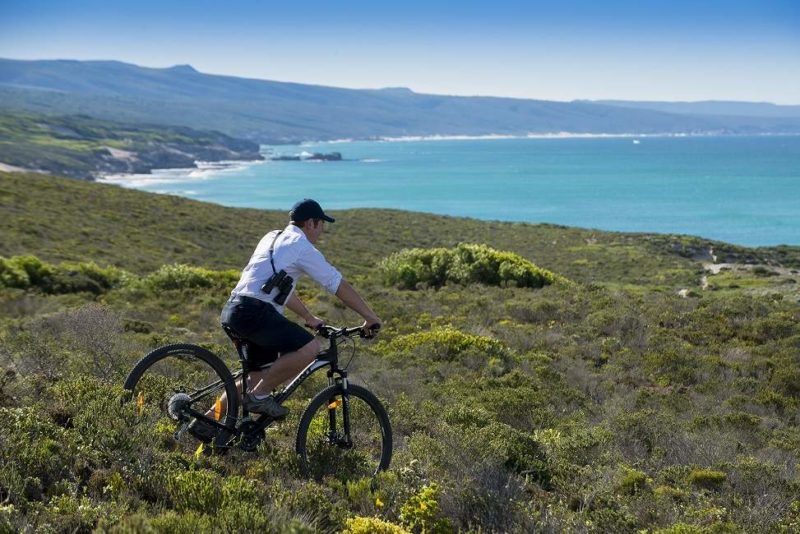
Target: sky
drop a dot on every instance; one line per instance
(672, 50)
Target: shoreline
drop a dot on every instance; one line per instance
(533, 135)
(201, 170)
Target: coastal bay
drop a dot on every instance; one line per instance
(743, 190)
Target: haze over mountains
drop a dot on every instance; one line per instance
(271, 112)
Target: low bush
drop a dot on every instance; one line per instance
(13, 274)
(29, 272)
(633, 481)
(445, 344)
(421, 513)
(189, 522)
(464, 264)
(197, 490)
(35, 453)
(706, 478)
(372, 525)
(179, 276)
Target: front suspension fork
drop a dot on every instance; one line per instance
(333, 405)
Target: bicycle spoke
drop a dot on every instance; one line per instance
(331, 451)
(170, 384)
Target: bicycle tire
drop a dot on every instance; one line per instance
(170, 369)
(321, 454)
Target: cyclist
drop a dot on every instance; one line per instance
(257, 315)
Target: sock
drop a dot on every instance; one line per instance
(260, 397)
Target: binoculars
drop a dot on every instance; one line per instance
(283, 282)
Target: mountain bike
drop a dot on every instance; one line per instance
(344, 431)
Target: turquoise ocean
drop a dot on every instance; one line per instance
(743, 190)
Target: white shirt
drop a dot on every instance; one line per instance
(293, 253)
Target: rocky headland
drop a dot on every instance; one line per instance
(82, 147)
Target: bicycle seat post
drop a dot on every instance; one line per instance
(242, 349)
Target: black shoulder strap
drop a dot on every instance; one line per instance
(271, 248)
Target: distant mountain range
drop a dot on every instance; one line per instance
(711, 107)
(273, 112)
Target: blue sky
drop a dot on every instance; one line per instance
(633, 50)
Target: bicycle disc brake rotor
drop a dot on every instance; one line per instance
(338, 439)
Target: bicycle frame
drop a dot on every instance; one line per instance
(327, 358)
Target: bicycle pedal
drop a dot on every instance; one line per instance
(179, 433)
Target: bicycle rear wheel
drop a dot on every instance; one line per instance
(173, 381)
(325, 446)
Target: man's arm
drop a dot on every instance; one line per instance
(353, 300)
(297, 306)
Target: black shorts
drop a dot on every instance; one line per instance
(270, 334)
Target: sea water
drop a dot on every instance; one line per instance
(743, 190)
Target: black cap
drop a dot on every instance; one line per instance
(308, 209)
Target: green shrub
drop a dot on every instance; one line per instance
(446, 344)
(35, 453)
(26, 272)
(244, 516)
(12, 274)
(179, 276)
(464, 264)
(422, 512)
(314, 502)
(787, 381)
(189, 522)
(633, 481)
(197, 490)
(75, 277)
(518, 451)
(706, 478)
(73, 514)
(682, 528)
(8, 518)
(668, 492)
(38, 272)
(372, 525)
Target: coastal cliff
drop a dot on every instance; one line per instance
(83, 147)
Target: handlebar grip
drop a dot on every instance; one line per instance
(323, 330)
(373, 329)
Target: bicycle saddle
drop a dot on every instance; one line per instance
(253, 350)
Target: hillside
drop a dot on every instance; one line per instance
(653, 390)
(711, 107)
(83, 147)
(274, 112)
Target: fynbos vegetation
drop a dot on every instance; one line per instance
(464, 264)
(613, 403)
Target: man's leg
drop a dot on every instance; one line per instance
(284, 368)
(255, 378)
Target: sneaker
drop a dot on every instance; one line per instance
(202, 430)
(266, 405)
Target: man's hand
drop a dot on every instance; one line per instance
(370, 327)
(314, 322)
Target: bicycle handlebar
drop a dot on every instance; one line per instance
(331, 332)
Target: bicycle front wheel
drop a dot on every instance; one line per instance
(174, 382)
(346, 435)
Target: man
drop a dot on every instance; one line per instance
(257, 315)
